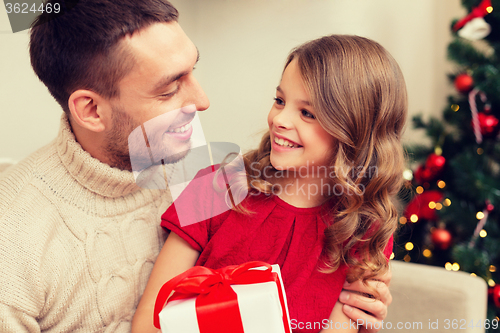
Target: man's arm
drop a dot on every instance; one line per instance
(175, 257)
(21, 292)
(339, 322)
(368, 312)
(15, 321)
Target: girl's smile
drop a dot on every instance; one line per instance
(281, 143)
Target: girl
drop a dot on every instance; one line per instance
(321, 185)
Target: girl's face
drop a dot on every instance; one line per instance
(298, 142)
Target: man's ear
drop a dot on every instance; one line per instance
(89, 110)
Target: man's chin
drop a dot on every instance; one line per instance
(178, 153)
(143, 163)
(174, 158)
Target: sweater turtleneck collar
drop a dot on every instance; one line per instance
(91, 173)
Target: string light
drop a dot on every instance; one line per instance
(402, 220)
(473, 274)
(427, 253)
(408, 174)
(455, 107)
(439, 206)
(441, 184)
(392, 256)
(483, 233)
(407, 258)
(448, 266)
(479, 215)
(455, 267)
(409, 246)
(480, 151)
(447, 202)
(489, 9)
(419, 190)
(432, 204)
(414, 218)
(491, 283)
(438, 151)
(492, 269)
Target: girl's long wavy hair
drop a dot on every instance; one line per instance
(359, 96)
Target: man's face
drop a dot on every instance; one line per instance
(161, 83)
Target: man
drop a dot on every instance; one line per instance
(79, 237)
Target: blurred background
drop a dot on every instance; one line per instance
(243, 47)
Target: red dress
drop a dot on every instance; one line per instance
(276, 233)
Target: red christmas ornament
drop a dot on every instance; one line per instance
(481, 10)
(441, 238)
(435, 163)
(488, 123)
(422, 175)
(494, 294)
(464, 83)
(420, 205)
(433, 166)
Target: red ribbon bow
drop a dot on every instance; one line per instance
(216, 301)
(480, 11)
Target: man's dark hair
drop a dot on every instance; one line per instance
(78, 47)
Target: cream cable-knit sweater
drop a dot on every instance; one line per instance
(78, 240)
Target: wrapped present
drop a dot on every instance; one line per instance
(248, 298)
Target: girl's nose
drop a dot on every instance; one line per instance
(282, 120)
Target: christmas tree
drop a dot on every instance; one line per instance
(451, 216)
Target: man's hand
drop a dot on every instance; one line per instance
(366, 311)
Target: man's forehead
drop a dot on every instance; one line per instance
(160, 49)
(158, 38)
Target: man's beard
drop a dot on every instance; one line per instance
(117, 145)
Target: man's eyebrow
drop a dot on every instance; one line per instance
(278, 88)
(165, 81)
(168, 79)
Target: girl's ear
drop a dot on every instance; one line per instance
(89, 110)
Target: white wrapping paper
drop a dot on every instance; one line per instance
(259, 304)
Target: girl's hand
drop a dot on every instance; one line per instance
(366, 311)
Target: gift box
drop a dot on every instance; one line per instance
(248, 298)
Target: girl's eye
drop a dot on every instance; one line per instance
(308, 114)
(279, 101)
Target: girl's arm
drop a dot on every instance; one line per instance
(339, 322)
(176, 257)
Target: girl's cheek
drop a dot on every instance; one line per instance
(270, 117)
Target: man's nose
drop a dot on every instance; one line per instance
(198, 96)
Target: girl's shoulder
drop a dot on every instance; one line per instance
(200, 199)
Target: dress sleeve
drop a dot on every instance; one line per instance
(389, 247)
(191, 216)
(355, 251)
(196, 235)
